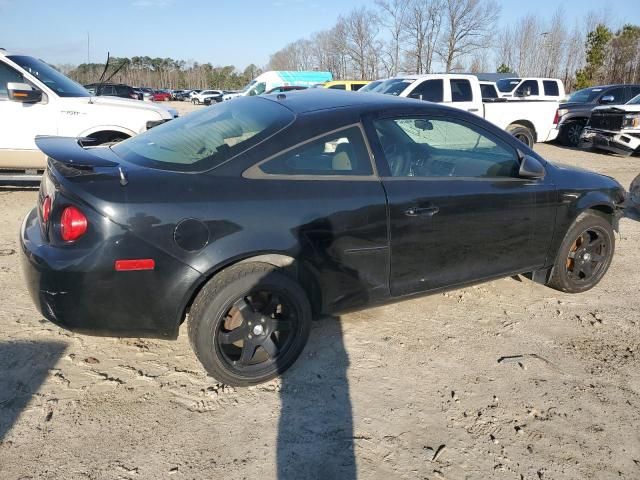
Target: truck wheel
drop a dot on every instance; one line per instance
(522, 133)
(585, 254)
(570, 133)
(249, 324)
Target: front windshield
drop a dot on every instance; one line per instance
(205, 139)
(507, 84)
(370, 87)
(394, 86)
(634, 101)
(56, 81)
(248, 86)
(586, 95)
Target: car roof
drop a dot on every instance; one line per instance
(316, 99)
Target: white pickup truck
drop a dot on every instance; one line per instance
(529, 121)
(36, 99)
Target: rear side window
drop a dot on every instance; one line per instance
(461, 90)
(356, 86)
(551, 88)
(429, 90)
(7, 75)
(528, 85)
(488, 91)
(338, 153)
(205, 139)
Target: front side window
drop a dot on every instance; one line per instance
(8, 75)
(205, 139)
(258, 89)
(461, 90)
(616, 93)
(439, 147)
(429, 90)
(551, 88)
(356, 86)
(339, 86)
(338, 153)
(528, 86)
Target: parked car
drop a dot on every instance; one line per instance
(199, 98)
(575, 112)
(160, 96)
(113, 90)
(147, 93)
(529, 122)
(183, 95)
(614, 128)
(349, 85)
(361, 199)
(36, 99)
(531, 89)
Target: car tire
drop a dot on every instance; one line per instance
(584, 255)
(249, 324)
(522, 133)
(570, 132)
(195, 101)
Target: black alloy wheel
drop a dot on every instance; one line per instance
(249, 323)
(587, 255)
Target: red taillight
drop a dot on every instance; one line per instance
(133, 265)
(46, 209)
(556, 119)
(73, 224)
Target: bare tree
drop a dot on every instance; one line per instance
(361, 28)
(469, 25)
(422, 29)
(393, 15)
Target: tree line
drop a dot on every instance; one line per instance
(162, 73)
(426, 36)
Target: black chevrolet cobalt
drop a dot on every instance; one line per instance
(250, 218)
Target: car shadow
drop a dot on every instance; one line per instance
(24, 367)
(315, 431)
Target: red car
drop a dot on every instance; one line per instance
(160, 96)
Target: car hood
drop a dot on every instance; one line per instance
(570, 105)
(123, 103)
(582, 177)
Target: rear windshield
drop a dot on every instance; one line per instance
(205, 139)
(394, 86)
(507, 84)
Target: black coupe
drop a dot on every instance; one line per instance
(249, 219)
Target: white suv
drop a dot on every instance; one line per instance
(36, 99)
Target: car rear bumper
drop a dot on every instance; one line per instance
(620, 143)
(80, 290)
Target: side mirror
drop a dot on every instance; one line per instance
(607, 99)
(531, 168)
(23, 92)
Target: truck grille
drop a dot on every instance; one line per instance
(607, 121)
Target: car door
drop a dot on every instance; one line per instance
(337, 209)
(462, 95)
(20, 123)
(458, 211)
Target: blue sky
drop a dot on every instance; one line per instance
(223, 32)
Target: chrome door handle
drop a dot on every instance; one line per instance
(424, 211)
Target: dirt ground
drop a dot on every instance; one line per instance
(507, 380)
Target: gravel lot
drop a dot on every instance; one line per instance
(413, 390)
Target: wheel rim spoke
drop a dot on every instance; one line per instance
(233, 336)
(270, 347)
(248, 349)
(272, 306)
